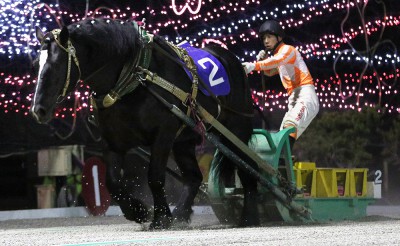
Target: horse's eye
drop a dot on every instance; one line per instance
(45, 44)
(46, 41)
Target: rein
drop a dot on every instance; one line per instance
(130, 77)
(71, 51)
(208, 118)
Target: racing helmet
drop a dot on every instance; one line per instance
(271, 27)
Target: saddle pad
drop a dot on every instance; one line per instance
(209, 69)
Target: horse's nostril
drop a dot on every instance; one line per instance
(38, 112)
(41, 112)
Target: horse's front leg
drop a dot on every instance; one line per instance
(156, 177)
(132, 208)
(185, 157)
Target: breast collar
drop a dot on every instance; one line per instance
(131, 76)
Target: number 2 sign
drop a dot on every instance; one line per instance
(209, 69)
(211, 78)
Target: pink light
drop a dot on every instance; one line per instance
(186, 6)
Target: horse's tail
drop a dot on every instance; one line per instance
(220, 173)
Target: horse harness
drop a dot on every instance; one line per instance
(135, 72)
(71, 51)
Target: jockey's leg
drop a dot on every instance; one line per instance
(292, 136)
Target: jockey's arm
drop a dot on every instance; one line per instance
(271, 72)
(271, 64)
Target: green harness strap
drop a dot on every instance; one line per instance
(128, 79)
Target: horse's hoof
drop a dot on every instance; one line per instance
(249, 223)
(137, 217)
(182, 215)
(161, 224)
(136, 211)
(180, 224)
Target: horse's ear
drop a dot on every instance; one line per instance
(64, 36)
(39, 34)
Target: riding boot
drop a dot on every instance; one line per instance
(292, 140)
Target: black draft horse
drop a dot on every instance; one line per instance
(95, 52)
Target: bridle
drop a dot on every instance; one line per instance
(71, 51)
(128, 74)
(132, 73)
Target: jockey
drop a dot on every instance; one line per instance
(286, 61)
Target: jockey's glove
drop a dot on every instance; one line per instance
(261, 55)
(248, 67)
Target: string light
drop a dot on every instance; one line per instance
(329, 96)
(198, 22)
(186, 7)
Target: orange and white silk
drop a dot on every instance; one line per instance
(286, 61)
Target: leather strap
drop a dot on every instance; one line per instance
(208, 118)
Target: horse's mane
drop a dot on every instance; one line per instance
(108, 36)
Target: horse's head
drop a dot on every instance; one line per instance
(58, 67)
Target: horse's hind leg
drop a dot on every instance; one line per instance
(184, 153)
(250, 215)
(133, 209)
(242, 128)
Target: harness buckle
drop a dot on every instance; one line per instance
(110, 99)
(71, 49)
